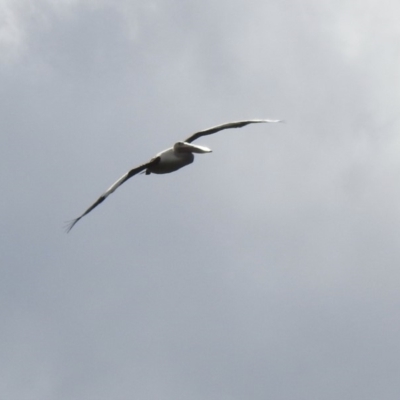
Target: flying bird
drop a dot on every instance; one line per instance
(169, 160)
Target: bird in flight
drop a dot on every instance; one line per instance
(169, 160)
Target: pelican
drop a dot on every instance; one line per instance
(169, 160)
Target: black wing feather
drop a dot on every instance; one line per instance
(229, 125)
(112, 188)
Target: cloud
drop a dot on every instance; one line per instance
(267, 269)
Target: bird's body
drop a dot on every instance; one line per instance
(169, 160)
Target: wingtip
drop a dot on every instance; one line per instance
(70, 224)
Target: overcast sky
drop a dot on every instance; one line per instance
(268, 269)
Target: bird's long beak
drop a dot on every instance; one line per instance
(195, 149)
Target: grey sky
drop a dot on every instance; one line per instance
(268, 269)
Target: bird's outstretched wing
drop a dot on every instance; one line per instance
(229, 125)
(112, 188)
